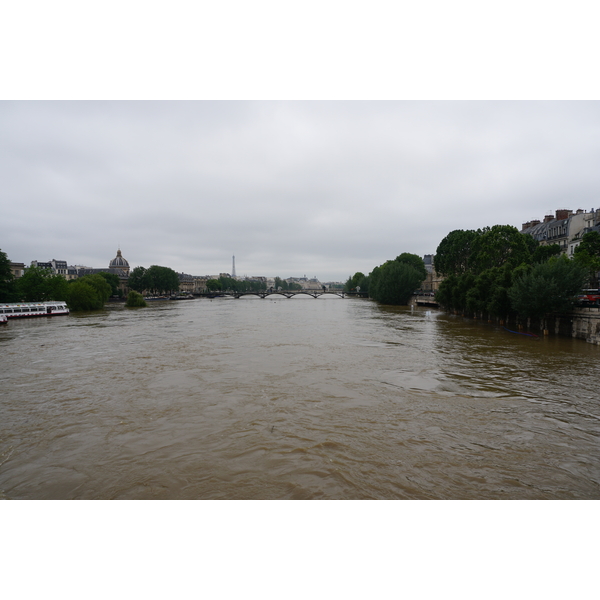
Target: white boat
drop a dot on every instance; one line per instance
(16, 310)
(3, 319)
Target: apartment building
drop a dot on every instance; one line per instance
(565, 228)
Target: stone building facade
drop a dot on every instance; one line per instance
(433, 280)
(565, 228)
(17, 269)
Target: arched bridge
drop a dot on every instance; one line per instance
(264, 293)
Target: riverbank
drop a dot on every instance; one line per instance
(581, 323)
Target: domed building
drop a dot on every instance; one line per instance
(118, 262)
(117, 266)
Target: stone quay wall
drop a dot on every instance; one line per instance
(581, 323)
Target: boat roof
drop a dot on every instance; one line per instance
(17, 304)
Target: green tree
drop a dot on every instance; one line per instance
(548, 287)
(590, 243)
(464, 283)
(587, 254)
(358, 280)
(7, 280)
(499, 303)
(57, 287)
(394, 282)
(286, 286)
(414, 261)
(531, 242)
(135, 300)
(362, 283)
(487, 293)
(544, 253)
(229, 284)
(40, 285)
(102, 287)
(499, 245)
(213, 285)
(113, 281)
(454, 253)
(162, 279)
(256, 286)
(83, 296)
(444, 294)
(31, 286)
(139, 280)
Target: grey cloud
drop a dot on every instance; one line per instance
(322, 188)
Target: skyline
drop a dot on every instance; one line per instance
(323, 188)
(231, 273)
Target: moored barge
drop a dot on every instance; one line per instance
(16, 310)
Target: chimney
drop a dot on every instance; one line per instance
(548, 218)
(562, 214)
(526, 226)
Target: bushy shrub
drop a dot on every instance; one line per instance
(134, 300)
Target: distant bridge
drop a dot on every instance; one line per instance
(264, 293)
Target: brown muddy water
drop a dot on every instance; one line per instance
(311, 399)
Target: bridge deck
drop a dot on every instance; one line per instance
(264, 294)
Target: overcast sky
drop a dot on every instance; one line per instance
(320, 188)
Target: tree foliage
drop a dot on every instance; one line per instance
(82, 295)
(213, 285)
(285, 285)
(135, 300)
(100, 285)
(7, 281)
(590, 243)
(251, 285)
(454, 252)
(497, 246)
(40, 285)
(542, 254)
(491, 275)
(358, 280)
(587, 254)
(162, 279)
(414, 261)
(245, 285)
(88, 293)
(476, 251)
(113, 281)
(139, 280)
(547, 287)
(394, 282)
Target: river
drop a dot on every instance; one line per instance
(297, 398)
